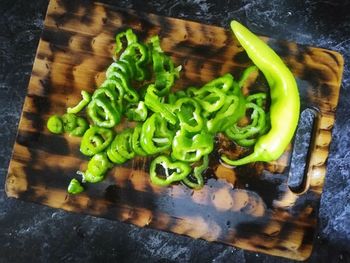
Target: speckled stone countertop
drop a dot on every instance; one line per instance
(34, 233)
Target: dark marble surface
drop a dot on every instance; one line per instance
(34, 233)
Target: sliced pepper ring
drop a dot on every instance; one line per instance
(174, 171)
(189, 113)
(189, 148)
(195, 180)
(156, 137)
(95, 140)
(103, 112)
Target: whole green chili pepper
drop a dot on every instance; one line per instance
(85, 101)
(55, 124)
(195, 180)
(97, 168)
(75, 187)
(95, 140)
(285, 102)
(174, 171)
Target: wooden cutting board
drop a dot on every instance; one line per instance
(250, 207)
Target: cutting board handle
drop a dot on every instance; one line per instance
(302, 148)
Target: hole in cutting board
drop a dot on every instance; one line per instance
(299, 166)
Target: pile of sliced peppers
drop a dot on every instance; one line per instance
(176, 128)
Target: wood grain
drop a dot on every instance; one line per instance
(250, 207)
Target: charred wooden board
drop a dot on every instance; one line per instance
(250, 207)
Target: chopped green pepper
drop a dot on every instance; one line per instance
(103, 112)
(55, 124)
(127, 36)
(189, 113)
(95, 140)
(189, 148)
(69, 122)
(82, 126)
(195, 180)
(75, 187)
(136, 112)
(97, 168)
(156, 104)
(174, 171)
(136, 145)
(85, 101)
(156, 137)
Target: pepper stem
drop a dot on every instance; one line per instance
(253, 157)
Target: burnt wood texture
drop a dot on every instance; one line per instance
(250, 207)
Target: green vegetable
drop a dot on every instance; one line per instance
(121, 147)
(97, 168)
(285, 102)
(229, 113)
(103, 112)
(69, 122)
(174, 171)
(130, 93)
(138, 53)
(189, 114)
(247, 135)
(80, 129)
(195, 180)
(156, 137)
(136, 144)
(164, 69)
(55, 124)
(75, 187)
(81, 105)
(156, 104)
(95, 140)
(136, 112)
(210, 98)
(127, 36)
(189, 148)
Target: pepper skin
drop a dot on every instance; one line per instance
(285, 102)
